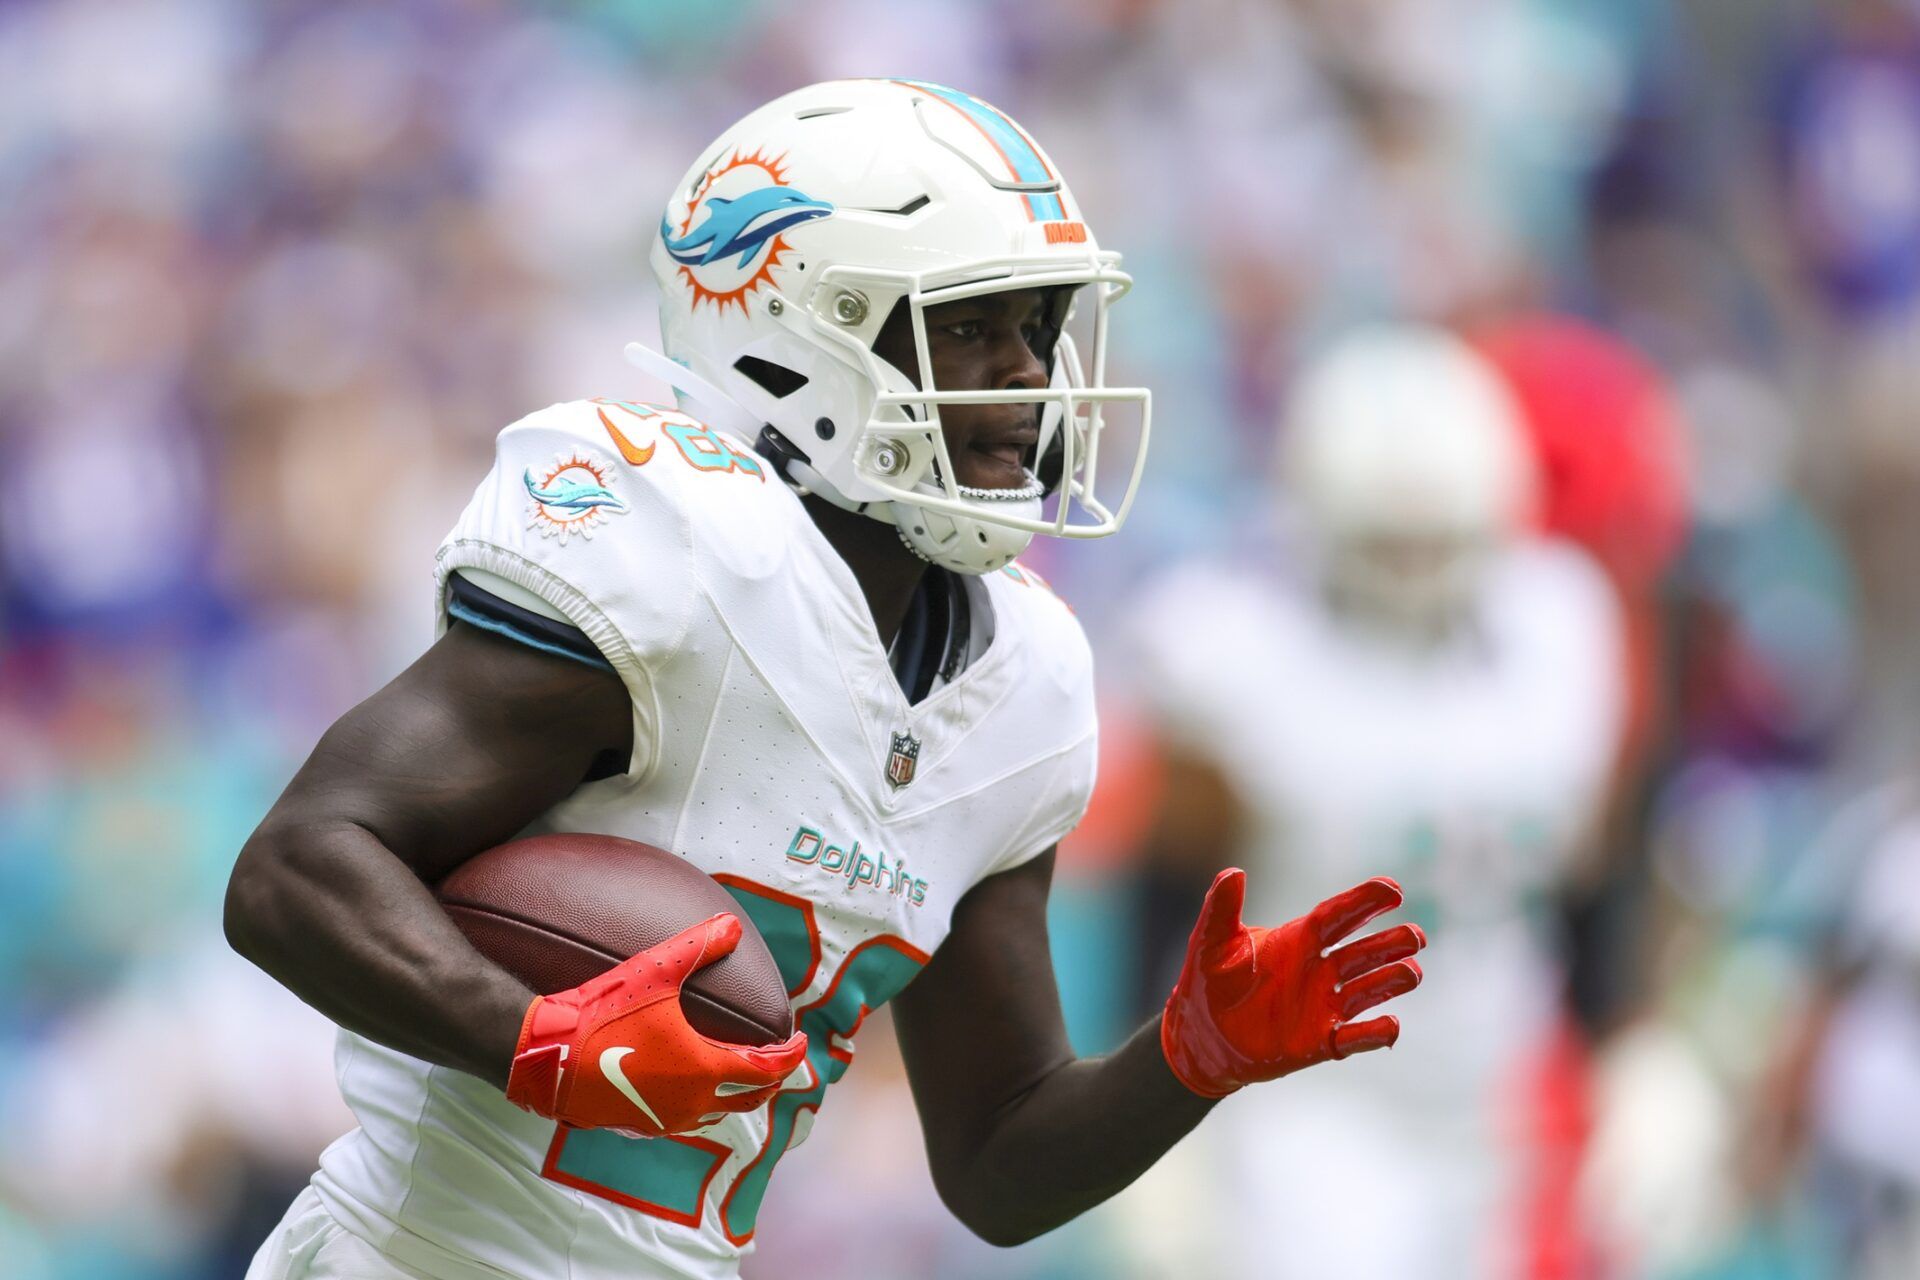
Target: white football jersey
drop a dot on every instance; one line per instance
(775, 750)
(1468, 773)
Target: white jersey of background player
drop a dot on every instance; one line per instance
(774, 743)
(1440, 702)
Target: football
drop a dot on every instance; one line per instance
(555, 910)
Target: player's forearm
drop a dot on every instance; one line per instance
(1077, 1137)
(332, 914)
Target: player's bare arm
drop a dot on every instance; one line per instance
(1023, 1136)
(458, 753)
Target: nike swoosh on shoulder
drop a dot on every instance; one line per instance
(628, 449)
(610, 1068)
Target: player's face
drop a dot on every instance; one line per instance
(995, 342)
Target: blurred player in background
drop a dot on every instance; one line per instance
(1441, 695)
(779, 630)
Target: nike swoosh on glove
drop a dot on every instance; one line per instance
(1256, 1004)
(617, 1052)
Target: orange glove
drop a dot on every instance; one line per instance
(1256, 1004)
(617, 1052)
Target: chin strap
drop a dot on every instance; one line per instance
(803, 479)
(908, 543)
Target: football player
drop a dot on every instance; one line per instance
(1436, 694)
(777, 628)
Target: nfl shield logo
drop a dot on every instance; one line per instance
(903, 759)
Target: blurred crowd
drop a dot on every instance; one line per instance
(273, 274)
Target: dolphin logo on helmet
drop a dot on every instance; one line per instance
(742, 226)
(744, 206)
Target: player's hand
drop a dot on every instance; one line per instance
(1256, 1004)
(617, 1052)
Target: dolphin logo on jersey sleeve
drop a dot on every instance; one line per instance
(563, 493)
(571, 497)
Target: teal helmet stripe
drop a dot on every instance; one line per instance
(1022, 158)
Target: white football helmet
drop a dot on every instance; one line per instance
(786, 248)
(1408, 459)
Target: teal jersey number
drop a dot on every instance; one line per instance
(670, 1177)
(701, 446)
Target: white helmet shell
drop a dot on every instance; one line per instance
(1404, 435)
(788, 245)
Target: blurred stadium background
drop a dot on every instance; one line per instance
(272, 275)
